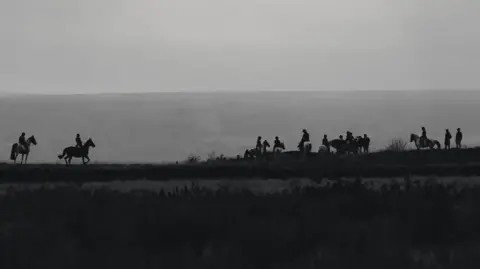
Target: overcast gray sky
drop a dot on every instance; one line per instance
(87, 46)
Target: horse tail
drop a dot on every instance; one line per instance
(13, 152)
(63, 154)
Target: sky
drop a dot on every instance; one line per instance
(104, 46)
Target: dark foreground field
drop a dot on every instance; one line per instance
(345, 226)
(465, 162)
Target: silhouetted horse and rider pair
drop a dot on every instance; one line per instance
(80, 150)
(261, 148)
(22, 148)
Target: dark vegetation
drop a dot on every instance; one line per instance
(339, 226)
(386, 163)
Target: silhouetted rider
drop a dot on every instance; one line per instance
(78, 141)
(21, 141)
(423, 138)
(277, 143)
(258, 147)
(305, 136)
(349, 137)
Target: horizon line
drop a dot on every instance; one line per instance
(6, 94)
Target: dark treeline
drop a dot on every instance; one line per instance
(339, 226)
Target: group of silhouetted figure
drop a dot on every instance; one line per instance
(349, 144)
(341, 145)
(448, 137)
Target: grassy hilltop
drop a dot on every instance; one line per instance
(379, 164)
(341, 225)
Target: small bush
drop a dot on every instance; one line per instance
(193, 159)
(397, 145)
(212, 156)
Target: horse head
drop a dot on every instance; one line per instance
(32, 140)
(413, 137)
(90, 143)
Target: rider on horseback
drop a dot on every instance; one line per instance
(258, 147)
(78, 141)
(349, 137)
(305, 138)
(22, 142)
(423, 138)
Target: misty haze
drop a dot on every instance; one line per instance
(169, 126)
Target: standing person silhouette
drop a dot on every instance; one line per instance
(458, 138)
(325, 143)
(265, 146)
(366, 143)
(448, 137)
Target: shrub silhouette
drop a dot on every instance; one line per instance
(397, 145)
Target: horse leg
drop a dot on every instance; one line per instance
(26, 157)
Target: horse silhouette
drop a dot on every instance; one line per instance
(17, 149)
(71, 152)
(279, 148)
(305, 147)
(342, 146)
(428, 143)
